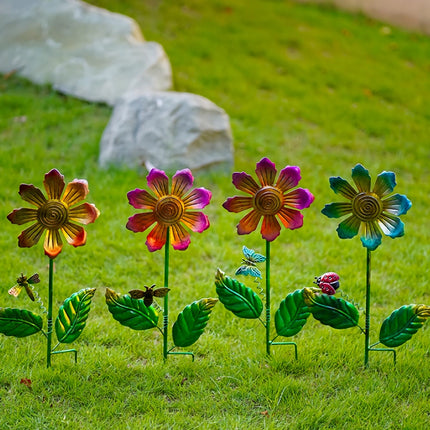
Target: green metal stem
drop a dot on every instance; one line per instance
(367, 323)
(268, 343)
(50, 297)
(166, 297)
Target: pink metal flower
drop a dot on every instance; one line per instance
(171, 211)
(270, 200)
(55, 213)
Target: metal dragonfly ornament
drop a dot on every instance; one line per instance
(23, 282)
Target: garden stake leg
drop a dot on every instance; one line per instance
(50, 296)
(268, 297)
(166, 297)
(367, 323)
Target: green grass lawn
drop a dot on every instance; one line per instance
(303, 85)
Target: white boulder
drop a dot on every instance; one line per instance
(168, 130)
(82, 50)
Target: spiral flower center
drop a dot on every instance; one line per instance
(268, 200)
(53, 214)
(169, 209)
(366, 207)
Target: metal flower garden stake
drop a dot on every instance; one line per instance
(51, 215)
(372, 212)
(173, 210)
(272, 201)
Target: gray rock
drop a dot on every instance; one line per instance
(81, 50)
(168, 130)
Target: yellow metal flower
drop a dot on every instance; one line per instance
(55, 213)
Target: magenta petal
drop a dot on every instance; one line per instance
(237, 204)
(197, 199)
(291, 218)
(288, 178)
(182, 182)
(299, 198)
(244, 182)
(180, 238)
(141, 199)
(158, 182)
(196, 221)
(266, 172)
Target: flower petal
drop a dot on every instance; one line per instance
(85, 213)
(180, 238)
(248, 223)
(182, 182)
(370, 235)
(196, 221)
(244, 182)
(141, 199)
(349, 228)
(361, 178)
(53, 243)
(385, 183)
(158, 182)
(157, 237)
(397, 204)
(237, 204)
(341, 186)
(22, 216)
(290, 218)
(197, 199)
(270, 228)
(32, 194)
(76, 191)
(30, 236)
(337, 210)
(140, 222)
(300, 198)
(266, 172)
(54, 184)
(288, 178)
(391, 225)
(74, 234)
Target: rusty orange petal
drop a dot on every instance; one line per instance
(53, 243)
(85, 213)
(30, 236)
(54, 184)
(76, 191)
(237, 204)
(74, 234)
(22, 216)
(180, 238)
(266, 172)
(32, 194)
(270, 228)
(157, 237)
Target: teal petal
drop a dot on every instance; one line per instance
(370, 235)
(361, 178)
(341, 186)
(337, 210)
(391, 225)
(349, 228)
(385, 183)
(398, 204)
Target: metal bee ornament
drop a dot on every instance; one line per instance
(249, 266)
(149, 294)
(23, 282)
(328, 282)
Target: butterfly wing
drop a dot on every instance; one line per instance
(34, 279)
(248, 270)
(136, 294)
(253, 256)
(161, 292)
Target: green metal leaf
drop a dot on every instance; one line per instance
(73, 315)
(402, 324)
(130, 312)
(329, 310)
(237, 298)
(291, 315)
(192, 321)
(19, 322)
